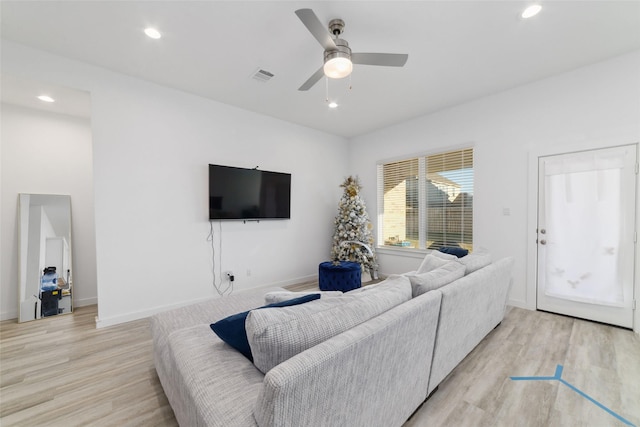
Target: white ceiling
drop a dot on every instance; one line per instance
(23, 91)
(458, 50)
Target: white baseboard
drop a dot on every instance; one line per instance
(85, 302)
(519, 304)
(128, 317)
(8, 315)
(13, 314)
(290, 281)
(104, 322)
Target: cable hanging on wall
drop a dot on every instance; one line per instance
(222, 291)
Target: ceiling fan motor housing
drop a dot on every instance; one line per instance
(337, 62)
(342, 50)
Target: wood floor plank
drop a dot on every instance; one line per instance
(62, 371)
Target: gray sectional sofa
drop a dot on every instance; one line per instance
(367, 358)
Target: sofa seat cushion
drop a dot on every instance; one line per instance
(276, 334)
(165, 324)
(210, 383)
(434, 279)
(205, 312)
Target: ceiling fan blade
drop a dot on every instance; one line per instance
(315, 27)
(312, 80)
(384, 59)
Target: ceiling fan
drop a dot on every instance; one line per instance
(338, 58)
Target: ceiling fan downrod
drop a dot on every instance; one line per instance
(336, 27)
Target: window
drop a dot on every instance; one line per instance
(427, 202)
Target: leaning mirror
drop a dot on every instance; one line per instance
(45, 273)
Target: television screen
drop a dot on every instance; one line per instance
(238, 193)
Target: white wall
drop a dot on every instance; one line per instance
(151, 148)
(46, 153)
(598, 105)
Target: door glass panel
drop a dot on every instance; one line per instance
(584, 229)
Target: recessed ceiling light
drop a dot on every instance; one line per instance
(153, 33)
(531, 11)
(333, 105)
(46, 98)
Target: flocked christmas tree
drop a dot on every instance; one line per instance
(352, 224)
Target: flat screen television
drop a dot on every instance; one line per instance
(238, 193)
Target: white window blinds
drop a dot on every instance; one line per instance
(427, 202)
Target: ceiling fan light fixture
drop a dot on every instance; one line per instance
(337, 62)
(337, 68)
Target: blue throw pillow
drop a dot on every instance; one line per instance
(232, 330)
(454, 250)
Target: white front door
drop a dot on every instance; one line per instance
(586, 234)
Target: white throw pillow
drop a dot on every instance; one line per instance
(277, 334)
(442, 255)
(431, 262)
(425, 282)
(476, 260)
(279, 296)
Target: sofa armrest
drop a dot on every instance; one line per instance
(375, 374)
(471, 307)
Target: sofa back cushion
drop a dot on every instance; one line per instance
(476, 260)
(276, 334)
(434, 279)
(279, 296)
(374, 374)
(442, 255)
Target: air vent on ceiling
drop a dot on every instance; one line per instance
(262, 75)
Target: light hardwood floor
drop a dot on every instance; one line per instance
(601, 361)
(61, 371)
